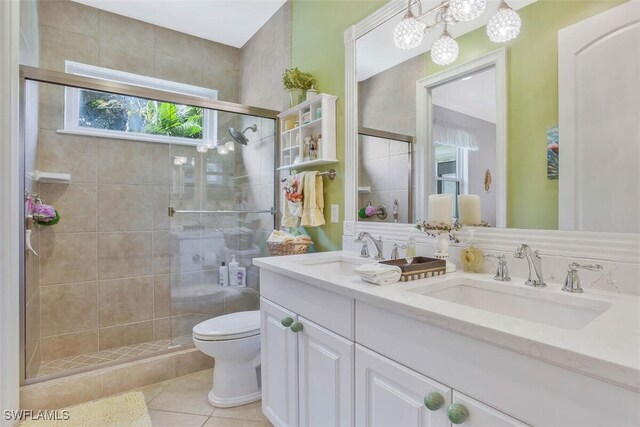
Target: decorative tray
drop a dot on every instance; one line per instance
(420, 267)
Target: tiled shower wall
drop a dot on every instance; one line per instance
(104, 269)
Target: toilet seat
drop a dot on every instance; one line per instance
(229, 327)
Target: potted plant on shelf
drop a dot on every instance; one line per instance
(297, 82)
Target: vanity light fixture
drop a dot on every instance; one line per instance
(408, 34)
(445, 50)
(504, 25)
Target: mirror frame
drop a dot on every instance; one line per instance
(617, 247)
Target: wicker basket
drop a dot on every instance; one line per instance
(288, 248)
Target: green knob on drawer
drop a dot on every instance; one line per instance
(296, 327)
(433, 401)
(286, 322)
(457, 413)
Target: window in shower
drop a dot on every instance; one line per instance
(128, 117)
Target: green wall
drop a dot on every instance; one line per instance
(532, 199)
(317, 46)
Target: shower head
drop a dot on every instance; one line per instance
(239, 136)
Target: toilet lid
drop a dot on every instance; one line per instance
(230, 326)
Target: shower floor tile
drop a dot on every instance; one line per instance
(88, 360)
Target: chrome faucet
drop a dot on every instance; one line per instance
(395, 251)
(376, 242)
(572, 282)
(535, 264)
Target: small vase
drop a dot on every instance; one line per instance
(295, 97)
(311, 93)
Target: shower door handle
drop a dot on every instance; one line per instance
(173, 211)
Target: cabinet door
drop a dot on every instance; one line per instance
(325, 374)
(391, 395)
(481, 415)
(279, 365)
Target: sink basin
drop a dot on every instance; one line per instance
(340, 265)
(535, 305)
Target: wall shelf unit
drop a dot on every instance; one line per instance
(314, 119)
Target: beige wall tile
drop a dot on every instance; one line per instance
(76, 155)
(68, 308)
(126, 33)
(162, 329)
(33, 366)
(59, 346)
(76, 204)
(50, 106)
(118, 336)
(161, 164)
(125, 301)
(175, 44)
(160, 204)
(124, 207)
(133, 61)
(194, 361)
(139, 374)
(32, 328)
(69, 16)
(161, 296)
(32, 268)
(58, 45)
(179, 69)
(124, 255)
(67, 257)
(161, 252)
(125, 162)
(62, 392)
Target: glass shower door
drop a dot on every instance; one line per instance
(221, 206)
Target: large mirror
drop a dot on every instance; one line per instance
(539, 132)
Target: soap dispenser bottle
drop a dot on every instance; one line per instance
(233, 271)
(472, 257)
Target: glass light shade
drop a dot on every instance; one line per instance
(467, 10)
(504, 25)
(409, 32)
(445, 50)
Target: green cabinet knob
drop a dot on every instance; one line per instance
(296, 327)
(286, 322)
(457, 413)
(433, 401)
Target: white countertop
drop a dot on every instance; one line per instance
(608, 348)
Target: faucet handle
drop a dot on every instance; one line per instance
(572, 282)
(364, 252)
(502, 273)
(590, 267)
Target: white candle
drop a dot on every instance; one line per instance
(469, 209)
(439, 209)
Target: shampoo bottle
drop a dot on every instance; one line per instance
(233, 271)
(242, 277)
(472, 258)
(224, 275)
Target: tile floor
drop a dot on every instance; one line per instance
(182, 402)
(87, 360)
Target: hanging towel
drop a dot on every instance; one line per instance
(313, 202)
(292, 211)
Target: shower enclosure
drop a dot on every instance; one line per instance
(153, 194)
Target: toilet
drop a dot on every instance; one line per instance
(233, 340)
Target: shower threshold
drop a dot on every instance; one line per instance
(88, 361)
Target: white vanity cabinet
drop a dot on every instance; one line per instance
(307, 371)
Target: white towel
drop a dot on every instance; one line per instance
(379, 274)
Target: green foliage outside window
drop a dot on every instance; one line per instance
(129, 114)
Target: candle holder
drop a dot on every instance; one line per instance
(444, 234)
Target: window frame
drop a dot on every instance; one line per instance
(72, 105)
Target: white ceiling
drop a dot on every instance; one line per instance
(475, 96)
(230, 22)
(376, 51)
